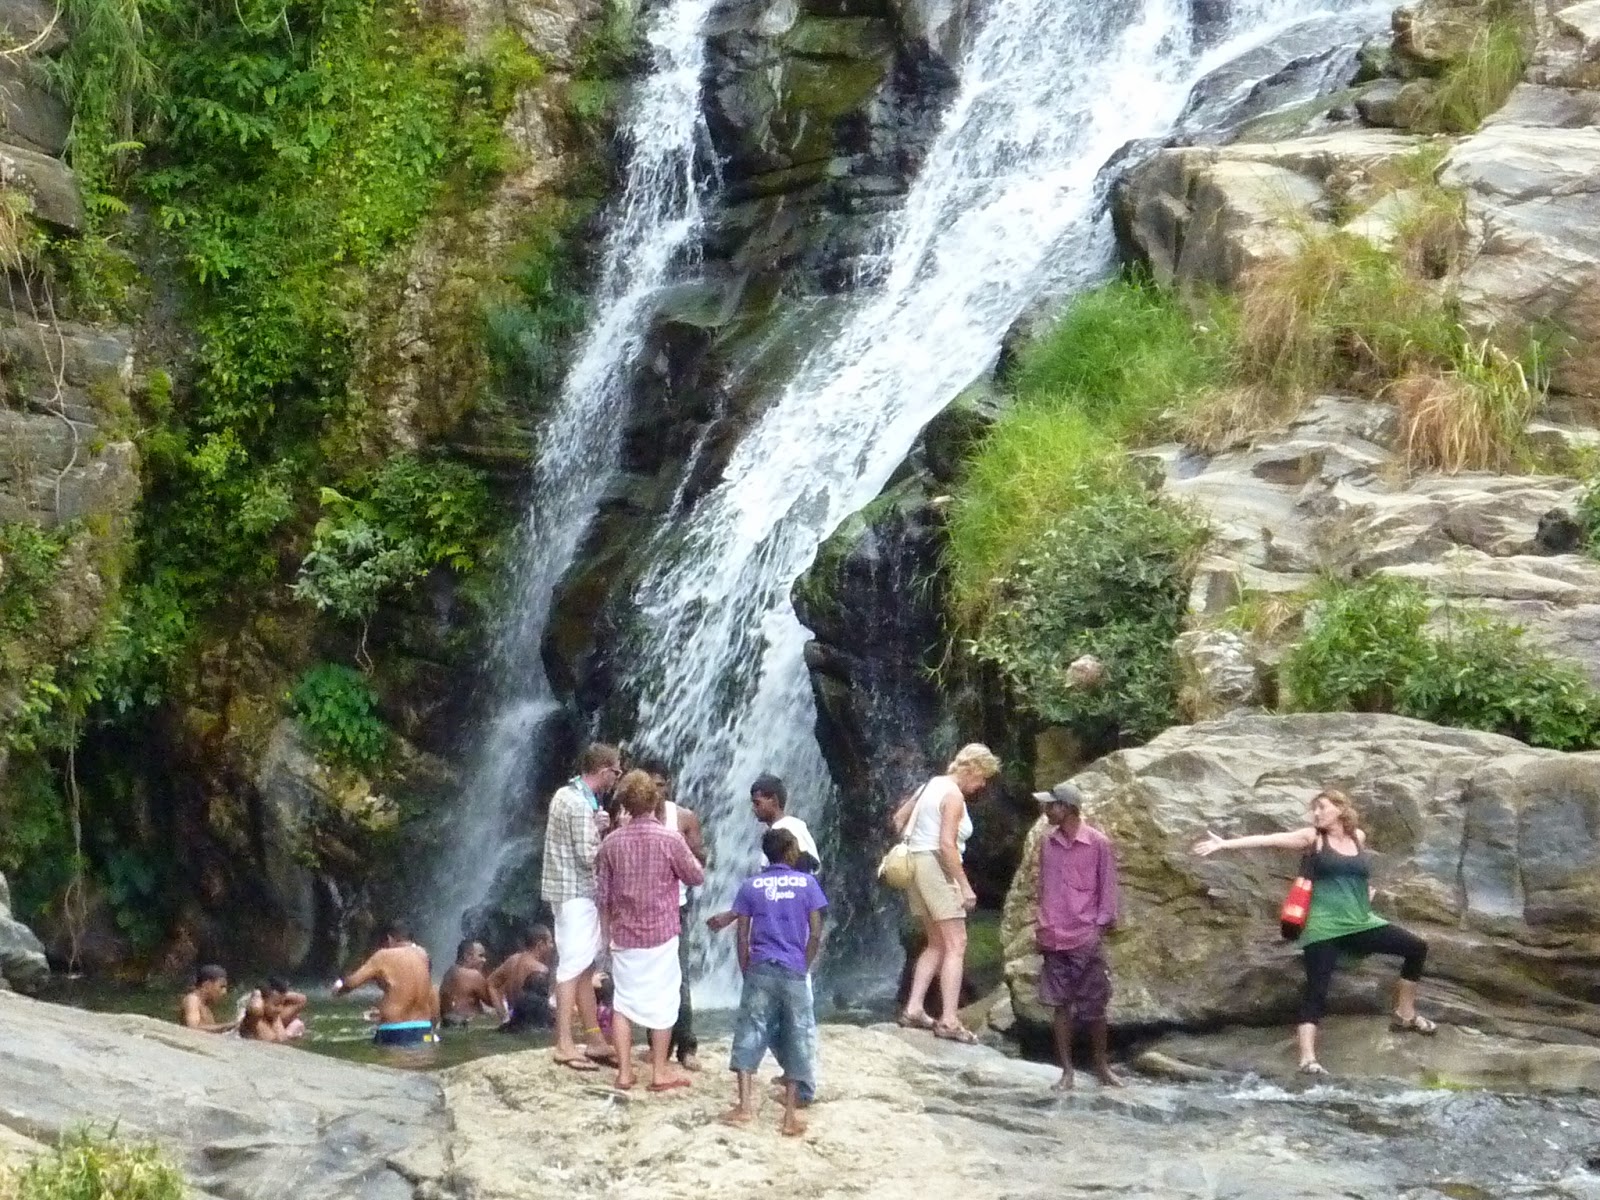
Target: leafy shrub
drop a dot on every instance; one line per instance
(1360, 641)
(1110, 578)
(339, 712)
(88, 1167)
(411, 516)
(1369, 648)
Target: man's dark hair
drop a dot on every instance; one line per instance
(397, 929)
(654, 766)
(210, 973)
(596, 756)
(537, 936)
(465, 948)
(770, 785)
(276, 985)
(777, 844)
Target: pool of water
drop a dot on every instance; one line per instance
(338, 1026)
(335, 1025)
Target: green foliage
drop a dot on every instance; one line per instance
(1033, 467)
(28, 561)
(1121, 355)
(339, 712)
(528, 331)
(407, 518)
(1478, 83)
(1370, 648)
(86, 1166)
(288, 150)
(1359, 645)
(1110, 578)
(35, 839)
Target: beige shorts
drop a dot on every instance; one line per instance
(933, 894)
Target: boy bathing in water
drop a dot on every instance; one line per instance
(779, 912)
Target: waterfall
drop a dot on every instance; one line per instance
(1009, 204)
(652, 239)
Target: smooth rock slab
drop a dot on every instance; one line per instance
(246, 1121)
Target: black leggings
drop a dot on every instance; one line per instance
(1322, 957)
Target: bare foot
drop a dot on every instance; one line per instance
(668, 1080)
(624, 1081)
(1064, 1084)
(1108, 1078)
(737, 1116)
(792, 1126)
(690, 1062)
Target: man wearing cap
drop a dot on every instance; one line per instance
(1077, 904)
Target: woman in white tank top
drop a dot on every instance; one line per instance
(936, 825)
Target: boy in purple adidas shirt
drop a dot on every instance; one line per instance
(780, 932)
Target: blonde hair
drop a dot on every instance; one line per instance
(1349, 818)
(637, 794)
(977, 758)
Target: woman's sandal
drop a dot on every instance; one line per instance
(914, 1021)
(1313, 1068)
(1416, 1024)
(955, 1033)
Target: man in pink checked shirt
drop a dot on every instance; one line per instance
(1077, 904)
(637, 872)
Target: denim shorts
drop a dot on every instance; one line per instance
(775, 1014)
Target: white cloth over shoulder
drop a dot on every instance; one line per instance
(645, 984)
(794, 825)
(577, 937)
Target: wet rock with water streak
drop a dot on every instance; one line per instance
(22, 961)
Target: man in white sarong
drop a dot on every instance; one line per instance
(571, 841)
(637, 874)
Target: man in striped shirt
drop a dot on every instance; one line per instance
(567, 884)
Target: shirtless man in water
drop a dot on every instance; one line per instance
(521, 984)
(272, 1013)
(465, 991)
(210, 987)
(409, 1008)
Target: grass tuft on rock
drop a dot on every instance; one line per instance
(1474, 415)
(1478, 83)
(86, 1166)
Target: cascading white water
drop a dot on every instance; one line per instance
(653, 236)
(1006, 204)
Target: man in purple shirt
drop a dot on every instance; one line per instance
(780, 931)
(1077, 904)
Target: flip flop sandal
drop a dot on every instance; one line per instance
(1313, 1068)
(581, 1065)
(670, 1085)
(1417, 1024)
(959, 1033)
(919, 1021)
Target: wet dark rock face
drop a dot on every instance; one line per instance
(818, 115)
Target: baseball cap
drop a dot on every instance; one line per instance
(1062, 793)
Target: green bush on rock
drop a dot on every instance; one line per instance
(88, 1167)
(1110, 578)
(339, 712)
(1375, 647)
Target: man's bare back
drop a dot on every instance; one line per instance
(402, 973)
(511, 976)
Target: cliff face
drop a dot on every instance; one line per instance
(268, 400)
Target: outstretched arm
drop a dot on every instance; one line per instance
(1295, 839)
(362, 975)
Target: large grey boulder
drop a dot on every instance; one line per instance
(245, 1120)
(22, 960)
(1487, 848)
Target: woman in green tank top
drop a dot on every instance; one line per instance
(1340, 922)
